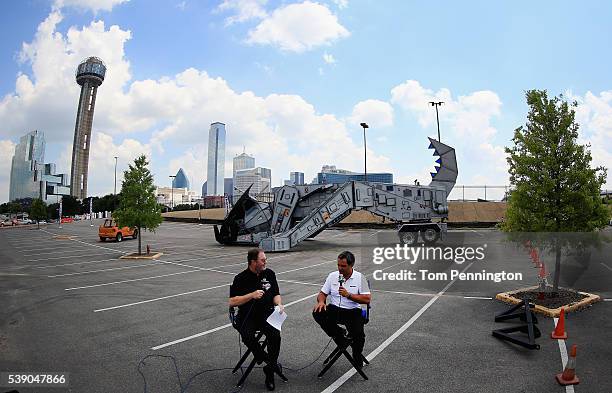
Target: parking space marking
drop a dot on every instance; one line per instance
(476, 232)
(608, 267)
(478, 297)
(340, 381)
(71, 256)
(180, 340)
(185, 293)
(103, 270)
(375, 233)
(133, 280)
(563, 351)
(160, 298)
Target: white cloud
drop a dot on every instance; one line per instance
(594, 115)
(93, 5)
(181, 6)
(194, 163)
(244, 10)
(7, 150)
(102, 161)
(298, 28)
(48, 99)
(375, 113)
(284, 132)
(329, 59)
(466, 121)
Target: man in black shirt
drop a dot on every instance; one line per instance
(255, 292)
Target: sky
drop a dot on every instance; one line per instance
(292, 81)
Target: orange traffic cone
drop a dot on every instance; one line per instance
(542, 271)
(559, 333)
(568, 376)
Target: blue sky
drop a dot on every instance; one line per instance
(292, 81)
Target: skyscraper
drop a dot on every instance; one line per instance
(216, 159)
(297, 178)
(29, 152)
(90, 74)
(243, 161)
(180, 180)
(30, 176)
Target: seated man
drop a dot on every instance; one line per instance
(348, 289)
(255, 292)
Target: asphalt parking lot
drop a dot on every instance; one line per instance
(73, 306)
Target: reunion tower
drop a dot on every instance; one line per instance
(90, 74)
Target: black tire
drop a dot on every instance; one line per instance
(135, 235)
(430, 235)
(409, 238)
(119, 237)
(102, 239)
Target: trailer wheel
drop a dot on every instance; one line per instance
(119, 237)
(430, 235)
(409, 238)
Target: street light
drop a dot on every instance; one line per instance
(365, 159)
(115, 192)
(437, 104)
(172, 191)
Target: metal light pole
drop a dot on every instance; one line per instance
(91, 211)
(437, 104)
(172, 191)
(365, 158)
(115, 192)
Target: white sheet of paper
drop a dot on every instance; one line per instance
(276, 319)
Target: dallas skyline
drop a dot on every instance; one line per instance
(293, 80)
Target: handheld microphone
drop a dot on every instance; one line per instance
(341, 279)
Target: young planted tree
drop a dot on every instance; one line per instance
(138, 205)
(38, 211)
(555, 189)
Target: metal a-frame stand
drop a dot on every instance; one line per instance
(524, 313)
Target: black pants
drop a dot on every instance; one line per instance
(351, 318)
(248, 329)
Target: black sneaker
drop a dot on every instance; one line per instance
(269, 377)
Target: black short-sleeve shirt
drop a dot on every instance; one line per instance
(246, 282)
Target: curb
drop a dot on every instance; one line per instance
(64, 237)
(550, 312)
(143, 256)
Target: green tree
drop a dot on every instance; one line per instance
(554, 187)
(138, 205)
(38, 211)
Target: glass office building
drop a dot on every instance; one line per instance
(30, 176)
(243, 161)
(180, 180)
(297, 178)
(29, 152)
(216, 159)
(330, 174)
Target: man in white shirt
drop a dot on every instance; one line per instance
(348, 290)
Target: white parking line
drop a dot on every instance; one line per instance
(563, 351)
(103, 270)
(70, 256)
(608, 267)
(160, 298)
(336, 384)
(180, 340)
(185, 293)
(375, 233)
(136, 279)
(477, 297)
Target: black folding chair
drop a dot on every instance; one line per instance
(342, 350)
(262, 342)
